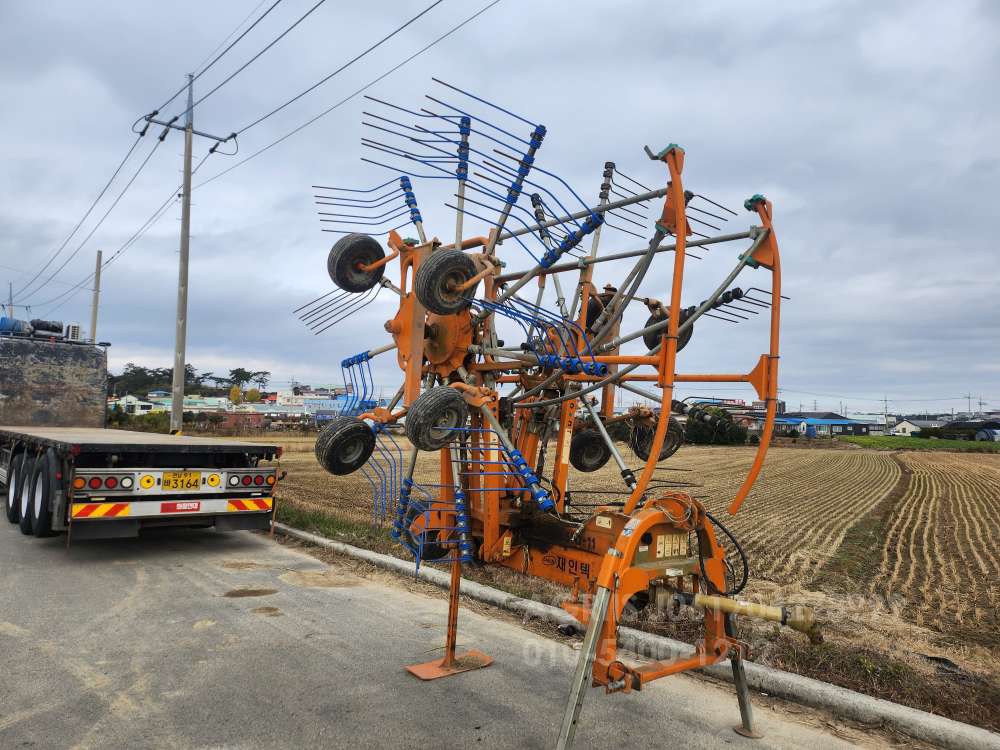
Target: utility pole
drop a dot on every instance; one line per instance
(94, 301)
(180, 340)
(10, 299)
(968, 397)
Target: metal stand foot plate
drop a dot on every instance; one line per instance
(461, 662)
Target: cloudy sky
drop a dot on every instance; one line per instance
(872, 126)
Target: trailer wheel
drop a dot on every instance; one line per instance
(437, 278)
(641, 440)
(43, 490)
(27, 469)
(431, 551)
(344, 445)
(652, 339)
(434, 416)
(349, 252)
(588, 451)
(12, 505)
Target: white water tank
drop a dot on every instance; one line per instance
(73, 332)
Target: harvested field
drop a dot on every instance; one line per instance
(894, 550)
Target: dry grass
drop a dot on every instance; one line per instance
(896, 552)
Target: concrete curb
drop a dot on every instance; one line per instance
(839, 701)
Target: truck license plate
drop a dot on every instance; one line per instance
(181, 480)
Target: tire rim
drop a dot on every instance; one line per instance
(25, 499)
(38, 498)
(11, 483)
(444, 424)
(352, 451)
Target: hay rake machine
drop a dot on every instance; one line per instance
(494, 410)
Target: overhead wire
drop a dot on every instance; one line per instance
(206, 68)
(76, 228)
(144, 227)
(343, 67)
(348, 98)
(101, 221)
(253, 59)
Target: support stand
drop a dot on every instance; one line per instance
(584, 666)
(452, 663)
(746, 728)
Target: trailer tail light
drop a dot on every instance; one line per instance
(94, 483)
(246, 480)
(233, 481)
(126, 483)
(270, 479)
(79, 483)
(111, 482)
(259, 479)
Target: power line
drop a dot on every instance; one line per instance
(145, 227)
(201, 68)
(346, 99)
(245, 65)
(93, 205)
(343, 67)
(219, 57)
(97, 226)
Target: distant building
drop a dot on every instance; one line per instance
(818, 424)
(909, 427)
(134, 405)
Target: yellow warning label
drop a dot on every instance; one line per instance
(506, 546)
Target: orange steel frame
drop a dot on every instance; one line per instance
(602, 555)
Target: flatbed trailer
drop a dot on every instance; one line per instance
(99, 483)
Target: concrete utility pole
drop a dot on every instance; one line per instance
(180, 339)
(10, 299)
(180, 342)
(96, 298)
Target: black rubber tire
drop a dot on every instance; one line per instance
(346, 254)
(437, 274)
(654, 338)
(432, 417)
(12, 501)
(43, 492)
(641, 440)
(344, 445)
(588, 451)
(430, 551)
(27, 469)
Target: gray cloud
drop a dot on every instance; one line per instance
(871, 126)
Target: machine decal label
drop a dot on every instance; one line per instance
(567, 565)
(603, 522)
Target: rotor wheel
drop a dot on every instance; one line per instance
(347, 255)
(434, 416)
(641, 440)
(437, 278)
(652, 339)
(588, 451)
(344, 445)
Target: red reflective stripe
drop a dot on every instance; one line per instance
(118, 508)
(85, 511)
(239, 504)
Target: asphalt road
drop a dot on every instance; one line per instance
(196, 639)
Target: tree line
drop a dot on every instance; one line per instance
(138, 380)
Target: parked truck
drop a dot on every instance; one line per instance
(62, 471)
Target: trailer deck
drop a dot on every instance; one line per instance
(99, 440)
